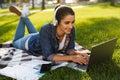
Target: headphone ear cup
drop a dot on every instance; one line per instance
(55, 23)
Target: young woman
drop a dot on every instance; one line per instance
(52, 39)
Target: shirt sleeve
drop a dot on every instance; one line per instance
(45, 43)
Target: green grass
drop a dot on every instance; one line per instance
(94, 24)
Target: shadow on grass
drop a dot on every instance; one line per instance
(6, 27)
(63, 73)
(105, 5)
(8, 24)
(107, 71)
(97, 30)
(5, 78)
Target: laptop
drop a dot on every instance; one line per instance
(100, 53)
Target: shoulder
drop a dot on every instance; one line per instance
(48, 28)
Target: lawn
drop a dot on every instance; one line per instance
(94, 24)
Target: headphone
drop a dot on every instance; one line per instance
(55, 21)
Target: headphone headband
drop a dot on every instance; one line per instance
(55, 21)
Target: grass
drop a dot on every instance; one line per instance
(94, 24)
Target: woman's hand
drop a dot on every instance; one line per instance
(85, 55)
(74, 56)
(79, 59)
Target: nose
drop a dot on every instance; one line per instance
(71, 25)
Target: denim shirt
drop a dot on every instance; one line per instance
(47, 43)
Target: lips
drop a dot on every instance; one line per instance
(69, 31)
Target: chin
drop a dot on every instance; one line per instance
(68, 32)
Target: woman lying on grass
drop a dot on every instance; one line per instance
(52, 39)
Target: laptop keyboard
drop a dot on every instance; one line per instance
(77, 66)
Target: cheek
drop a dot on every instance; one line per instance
(64, 27)
(67, 30)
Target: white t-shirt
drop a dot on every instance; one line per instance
(61, 45)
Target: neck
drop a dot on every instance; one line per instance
(60, 33)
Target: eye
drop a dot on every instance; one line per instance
(67, 22)
(73, 22)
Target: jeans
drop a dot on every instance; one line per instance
(19, 38)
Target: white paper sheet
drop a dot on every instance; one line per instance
(25, 71)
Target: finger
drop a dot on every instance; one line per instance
(80, 63)
(78, 59)
(85, 55)
(82, 60)
(86, 60)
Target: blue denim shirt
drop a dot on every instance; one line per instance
(46, 42)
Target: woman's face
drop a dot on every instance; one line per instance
(67, 23)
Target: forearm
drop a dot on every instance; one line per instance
(62, 58)
(72, 52)
(74, 58)
(75, 52)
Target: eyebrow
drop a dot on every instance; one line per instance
(70, 21)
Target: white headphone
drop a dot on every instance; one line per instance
(55, 21)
